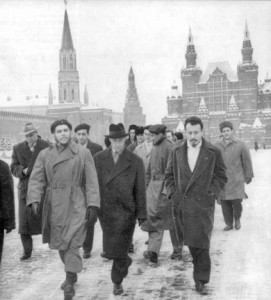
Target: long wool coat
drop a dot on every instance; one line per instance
(123, 199)
(69, 181)
(22, 158)
(7, 214)
(239, 167)
(93, 147)
(143, 152)
(159, 207)
(195, 192)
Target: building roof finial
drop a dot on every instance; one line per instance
(190, 37)
(246, 33)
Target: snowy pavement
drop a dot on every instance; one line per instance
(241, 260)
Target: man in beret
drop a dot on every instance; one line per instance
(132, 135)
(239, 171)
(159, 208)
(65, 176)
(195, 178)
(82, 138)
(123, 201)
(23, 159)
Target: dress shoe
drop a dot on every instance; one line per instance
(146, 254)
(69, 291)
(86, 255)
(147, 242)
(153, 257)
(131, 249)
(199, 287)
(237, 224)
(65, 282)
(176, 256)
(118, 289)
(228, 227)
(25, 257)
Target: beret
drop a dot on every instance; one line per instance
(158, 128)
(60, 122)
(139, 130)
(82, 126)
(132, 127)
(225, 124)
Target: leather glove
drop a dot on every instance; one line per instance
(35, 209)
(248, 180)
(8, 230)
(140, 221)
(91, 215)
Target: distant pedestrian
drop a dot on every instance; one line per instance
(7, 213)
(239, 171)
(179, 138)
(256, 147)
(131, 135)
(195, 177)
(82, 137)
(171, 136)
(139, 139)
(123, 201)
(23, 159)
(159, 208)
(64, 174)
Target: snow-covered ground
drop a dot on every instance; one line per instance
(241, 260)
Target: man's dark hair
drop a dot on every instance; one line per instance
(193, 121)
(179, 135)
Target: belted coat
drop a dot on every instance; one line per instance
(68, 181)
(239, 167)
(123, 199)
(194, 193)
(159, 207)
(23, 158)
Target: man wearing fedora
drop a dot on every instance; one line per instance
(123, 201)
(64, 174)
(23, 159)
(82, 138)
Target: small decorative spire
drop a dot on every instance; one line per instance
(246, 33)
(86, 99)
(232, 105)
(202, 106)
(190, 37)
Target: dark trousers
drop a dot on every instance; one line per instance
(2, 234)
(231, 209)
(120, 269)
(88, 243)
(176, 235)
(27, 243)
(202, 264)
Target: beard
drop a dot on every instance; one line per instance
(63, 141)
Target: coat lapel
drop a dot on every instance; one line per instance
(182, 158)
(203, 161)
(122, 164)
(66, 154)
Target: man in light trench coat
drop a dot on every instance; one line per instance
(65, 175)
(195, 177)
(239, 171)
(159, 207)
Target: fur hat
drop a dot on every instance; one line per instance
(133, 127)
(225, 124)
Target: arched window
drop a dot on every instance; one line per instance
(71, 62)
(72, 94)
(64, 62)
(65, 94)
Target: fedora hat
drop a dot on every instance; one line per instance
(116, 132)
(28, 128)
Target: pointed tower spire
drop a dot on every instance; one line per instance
(66, 35)
(131, 95)
(191, 55)
(86, 100)
(50, 95)
(247, 49)
(232, 105)
(68, 77)
(202, 106)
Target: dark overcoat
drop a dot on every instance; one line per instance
(159, 207)
(93, 147)
(69, 182)
(7, 214)
(123, 199)
(239, 167)
(195, 193)
(23, 158)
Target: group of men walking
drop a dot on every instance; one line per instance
(144, 177)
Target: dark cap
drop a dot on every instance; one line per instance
(139, 130)
(158, 128)
(82, 126)
(133, 127)
(225, 124)
(116, 132)
(60, 122)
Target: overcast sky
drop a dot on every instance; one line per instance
(110, 35)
